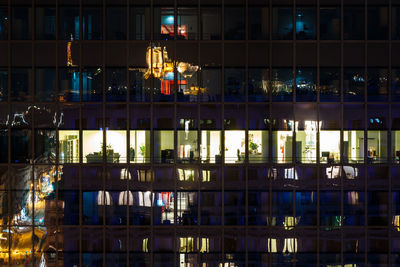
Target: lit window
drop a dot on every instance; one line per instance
(187, 146)
(210, 146)
(258, 146)
(68, 146)
(92, 141)
(353, 146)
(116, 146)
(139, 149)
(282, 146)
(234, 146)
(329, 146)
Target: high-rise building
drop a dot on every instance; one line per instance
(200, 133)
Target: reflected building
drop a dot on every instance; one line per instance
(202, 133)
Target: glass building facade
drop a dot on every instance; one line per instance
(200, 133)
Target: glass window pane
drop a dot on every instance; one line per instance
(306, 84)
(305, 24)
(258, 146)
(258, 85)
(282, 146)
(282, 84)
(211, 23)
(234, 85)
(329, 85)
(45, 23)
(92, 20)
(68, 23)
(211, 146)
(282, 23)
(258, 22)
(353, 146)
(353, 83)
(68, 84)
(92, 84)
(330, 23)
(353, 23)
(139, 150)
(378, 23)
(116, 88)
(234, 23)
(21, 23)
(45, 84)
(377, 147)
(139, 86)
(164, 28)
(187, 146)
(140, 23)
(187, 23)
(68, 146)
(164, 146)
(93, 146)
(3, 85)
(21, 80)
(395, 22)
(163, 208)
(234, 146)
(211, 82)
(329, 146)
(306, 143)
(116, 146)
(4, 23)
(377, 85)
(116, 23)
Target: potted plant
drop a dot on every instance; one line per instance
(253, 147)
(143, 151)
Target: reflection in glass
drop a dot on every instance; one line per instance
(234, 85)
(210, 146)
(282, 23)
(139, 86)
(164, 146)
(92, 84)
(305, 24)
(329, 85)
(282, 146)
(282, 84)
(306, 80)
(353, 84)
(21, 25)
(234, 146)
(45, 84)
(329, 23)
(377, 85)
(258, 84)
(258, 22)
(163, 208)
(258, 146)
(234, 23)
(187, 146)
(116, 88)
(45, 23)
(353, 146)
(353, 23)
(211, 81)
(378, 22)
(211, 23)
(377, 147)
(139, 149)
(4, 22)
(329, 146)
(116, 23)
(187, 23)
(68, 23)
(3, 85)
(140, 23)
(92, 20)
(21, 84)
(68, 84)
